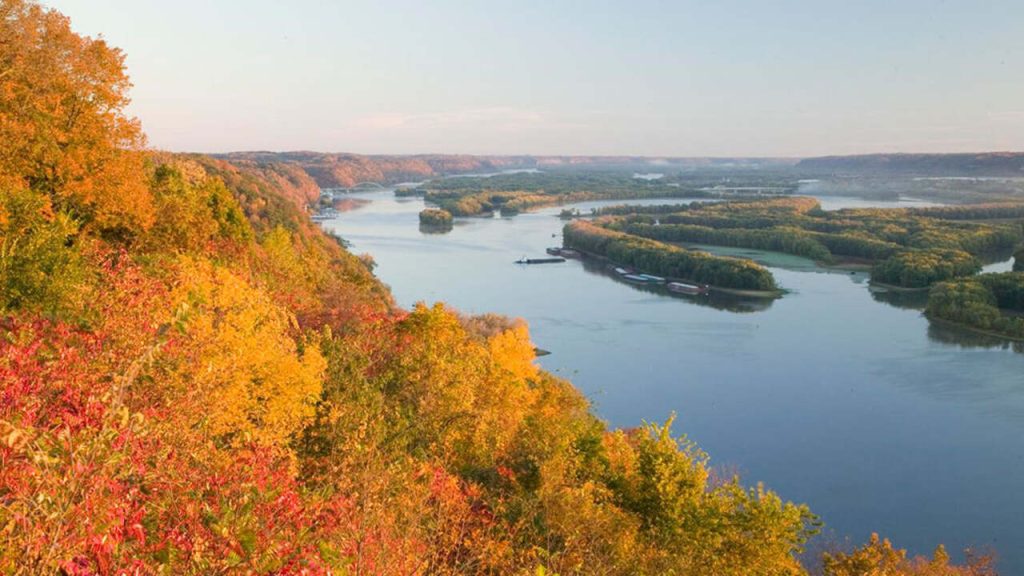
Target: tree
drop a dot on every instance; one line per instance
(63, 131)
(255, 383)
(39, 270)
(879, 558)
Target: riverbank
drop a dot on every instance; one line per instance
(904, 289)
(973, 329)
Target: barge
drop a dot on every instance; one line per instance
(686, 288)
(525, 260)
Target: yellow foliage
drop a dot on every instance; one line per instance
(247, 372)
(880, 558)
(464, 398)
(513, 351)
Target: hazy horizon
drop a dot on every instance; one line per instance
(571, 155)
(737, 79)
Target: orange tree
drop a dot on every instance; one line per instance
(63, 131)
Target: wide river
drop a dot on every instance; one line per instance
(834, 395)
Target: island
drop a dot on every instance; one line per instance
(432, 219)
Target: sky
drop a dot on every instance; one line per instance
(639, 77)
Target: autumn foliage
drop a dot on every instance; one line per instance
(196, 380)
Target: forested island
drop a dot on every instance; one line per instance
(667, 260)
(435, 220)
(907, 248)
(195, 379)
(941, 248)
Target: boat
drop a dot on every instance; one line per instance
(653, 279)
(554, 251)
(685, 288)
(622, 271)
(525, 260)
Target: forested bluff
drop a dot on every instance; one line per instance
(194, 379)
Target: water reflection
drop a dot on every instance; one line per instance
(946, 333)
(905, 299)
(348, 204)
(435, 228)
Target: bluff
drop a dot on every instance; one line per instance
(988, 164)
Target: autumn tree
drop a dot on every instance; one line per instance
(197, 212)
(63, 130)
(238, 360)
(880, 558)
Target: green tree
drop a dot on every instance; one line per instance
(41, 267)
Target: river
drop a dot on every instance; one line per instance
(833, 395)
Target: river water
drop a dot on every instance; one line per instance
(835, 395)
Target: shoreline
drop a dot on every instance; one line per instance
(973, 329)
(760, 294)
(895, 288)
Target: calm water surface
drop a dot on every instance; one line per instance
(834, 395)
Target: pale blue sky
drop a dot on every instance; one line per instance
(685, 78)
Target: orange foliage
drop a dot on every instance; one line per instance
(62, 130)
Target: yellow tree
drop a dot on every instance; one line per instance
(880, 558)
(63, 131)
(512, 350)
(251, 380)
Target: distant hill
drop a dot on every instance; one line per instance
(992, 164)
(332, 170)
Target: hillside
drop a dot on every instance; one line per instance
(988, 164)
(195, 379)
(346, 170)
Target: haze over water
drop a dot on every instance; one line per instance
(830, 395)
